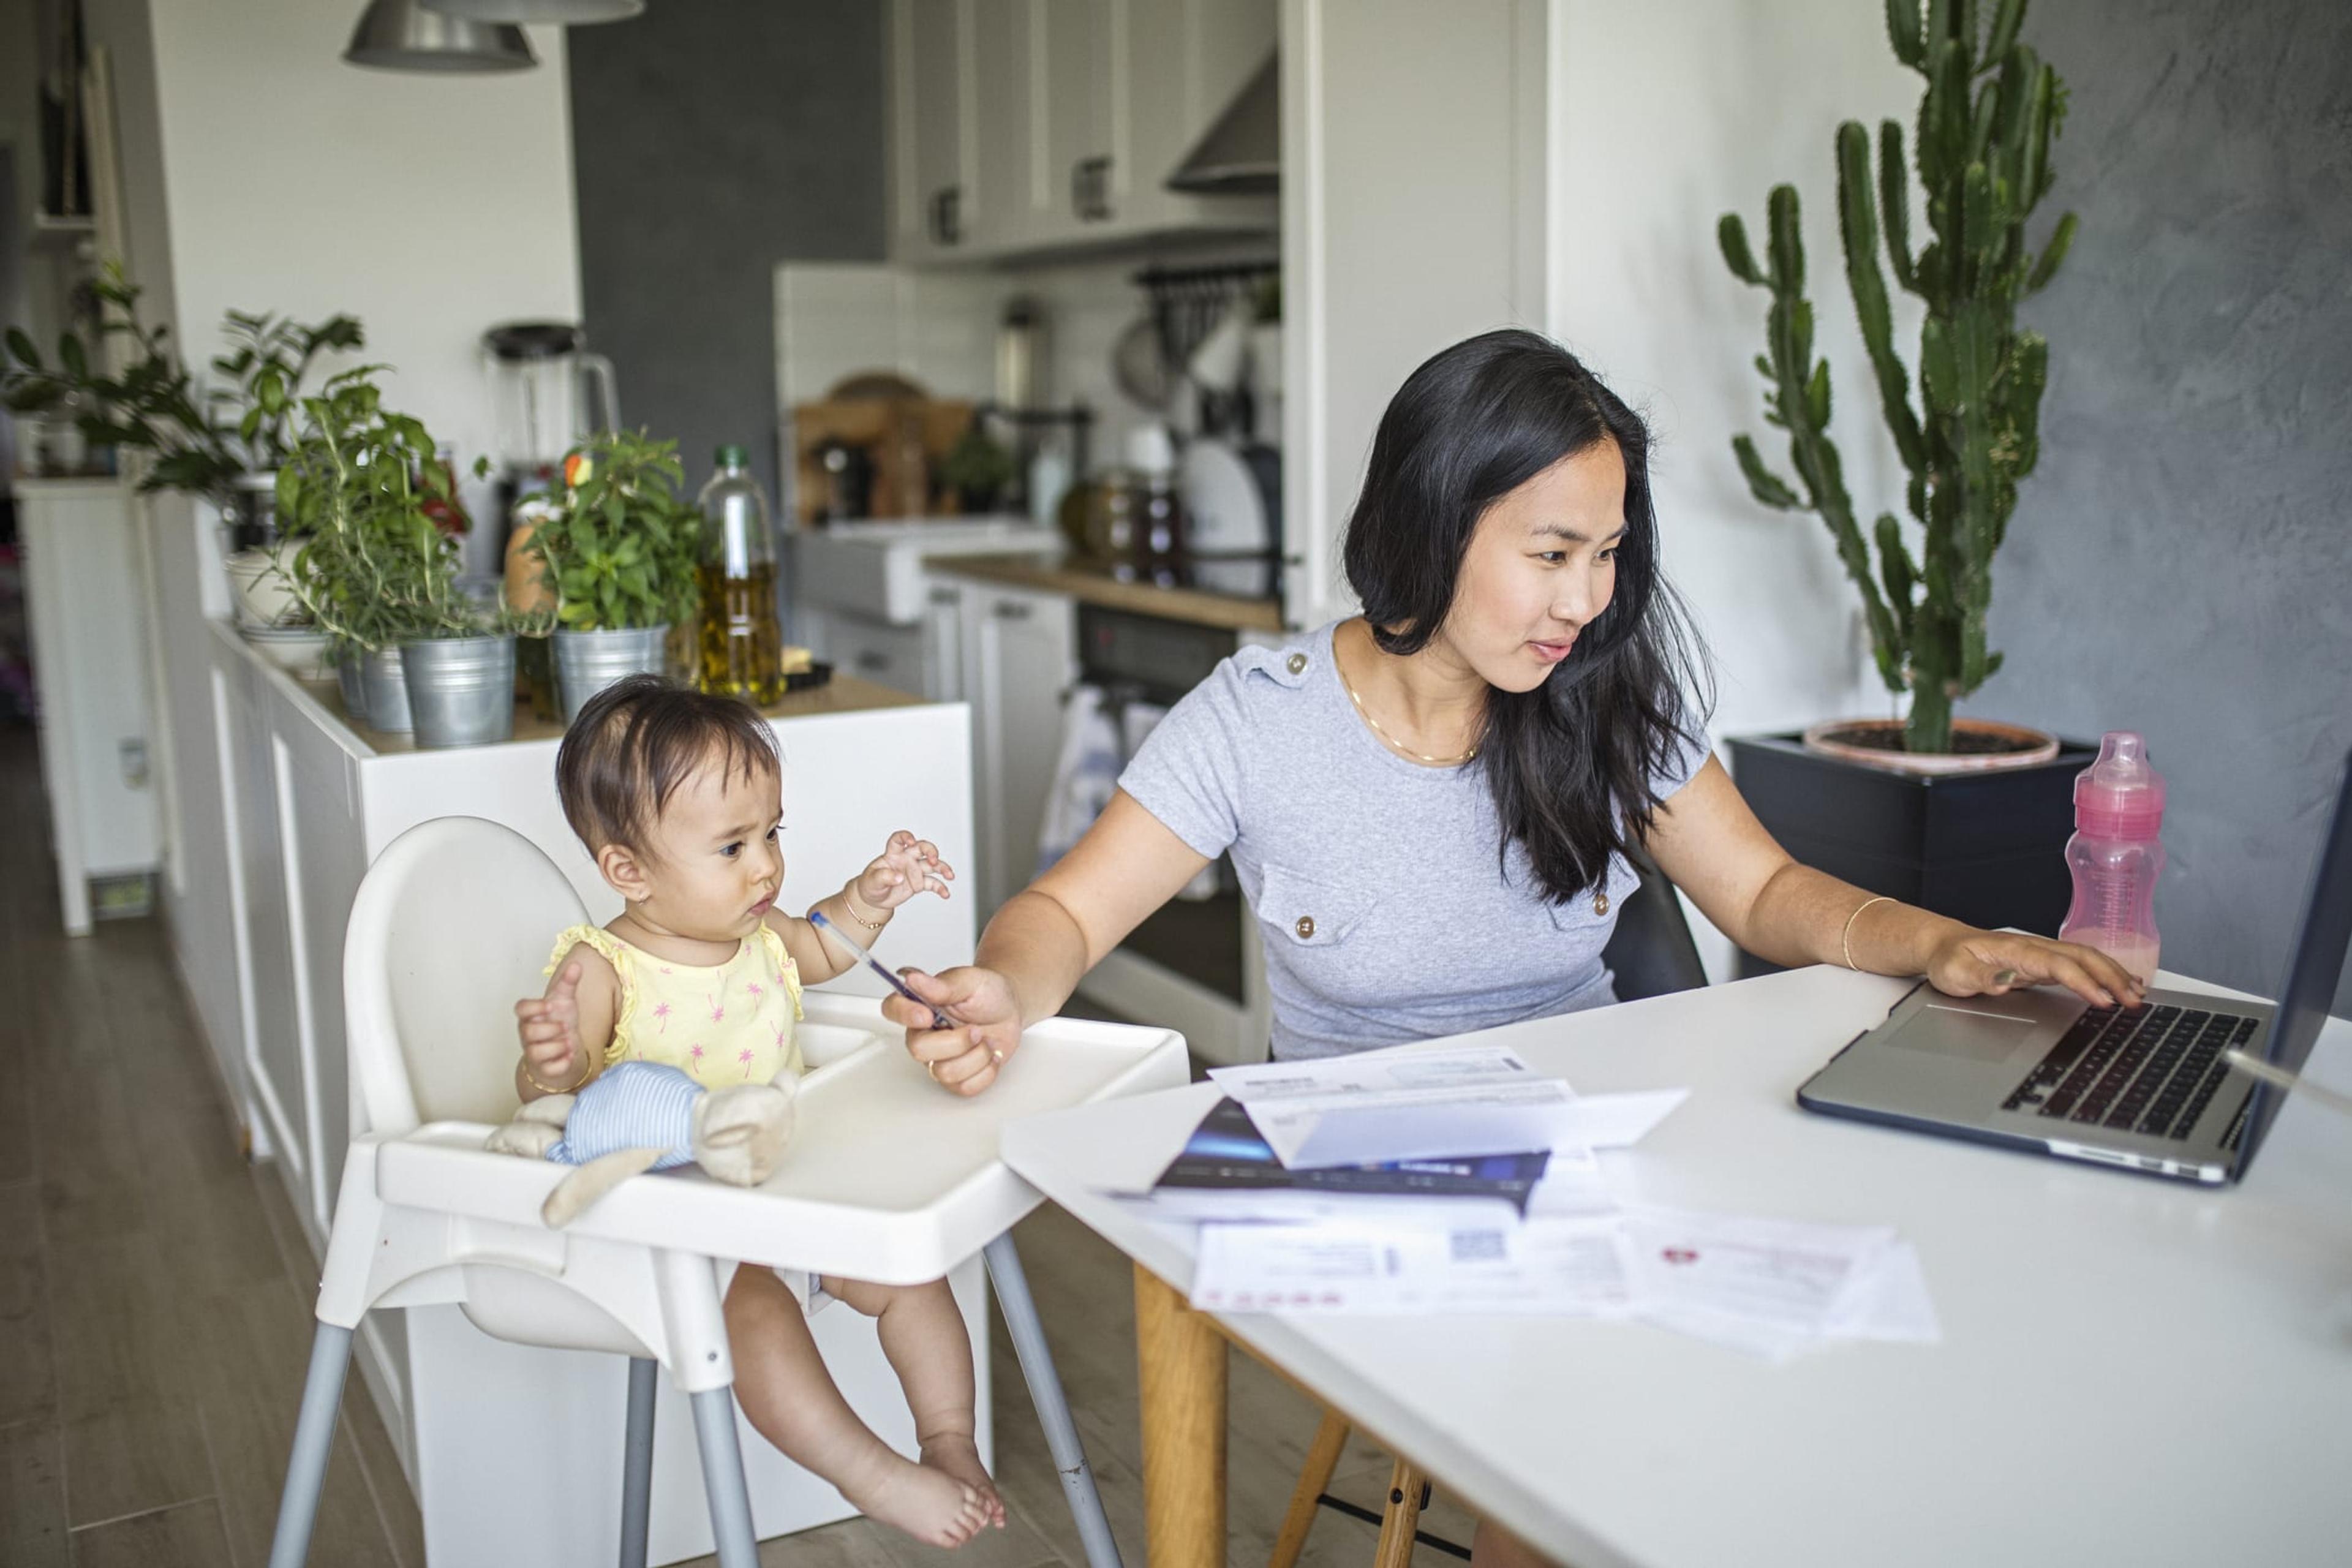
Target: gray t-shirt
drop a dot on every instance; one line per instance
(1387, 915)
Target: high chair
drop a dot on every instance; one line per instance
(888, 1179)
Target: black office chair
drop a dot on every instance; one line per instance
(1651, 951)
(1651, 954)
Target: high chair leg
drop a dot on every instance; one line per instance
(314, 1439)
(1053, 1410)
(723, 1478)
(637, 1462)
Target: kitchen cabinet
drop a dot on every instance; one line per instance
(934, 151)
(1019, 663)
(1032, 125)
(83, 573)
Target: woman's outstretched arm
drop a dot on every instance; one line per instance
(1707, 840)
(1042, 942)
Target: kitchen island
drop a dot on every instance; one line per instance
(313, 799)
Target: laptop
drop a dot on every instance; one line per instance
(2145, 1090)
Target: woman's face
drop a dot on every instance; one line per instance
(1542, 564)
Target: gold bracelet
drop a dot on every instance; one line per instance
(542, 1088)
(1845, 939)
(849, 903)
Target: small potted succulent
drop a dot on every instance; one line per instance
(622, 550)
(360, 498)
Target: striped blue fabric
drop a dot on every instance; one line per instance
(632, 1105)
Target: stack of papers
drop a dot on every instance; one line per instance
(1461, 1182)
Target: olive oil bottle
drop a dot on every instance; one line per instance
(741, 644)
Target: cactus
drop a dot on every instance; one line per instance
(1990, 112)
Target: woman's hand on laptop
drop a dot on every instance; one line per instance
(1971, 962)
(967, 1056)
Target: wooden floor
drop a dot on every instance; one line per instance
(155, 1291)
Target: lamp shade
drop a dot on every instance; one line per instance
(402, 35)
(566, 12)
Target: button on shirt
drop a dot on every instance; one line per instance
(1387, 915)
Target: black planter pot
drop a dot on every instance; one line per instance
(1984, 847)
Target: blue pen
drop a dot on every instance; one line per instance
(816, 918)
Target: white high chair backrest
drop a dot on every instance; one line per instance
(451, 927)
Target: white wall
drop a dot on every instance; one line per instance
(261, 173)
(1412, 218)
(428, 206)
(1663, 118)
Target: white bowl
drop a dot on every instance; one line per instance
(300, 651)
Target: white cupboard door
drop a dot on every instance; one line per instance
(265, 938)
(1075, 107)
(1025, 647)
(886, 655)
(932, 151)
(1003, 212)
(943, 644)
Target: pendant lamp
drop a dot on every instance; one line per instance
(402, 35)
(564, 13)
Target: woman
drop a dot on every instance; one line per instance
(1430, 805)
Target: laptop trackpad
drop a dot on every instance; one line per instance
(1952, 1031)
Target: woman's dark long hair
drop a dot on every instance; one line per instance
(1571, 762)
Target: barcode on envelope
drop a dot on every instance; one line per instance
(1477, 1245)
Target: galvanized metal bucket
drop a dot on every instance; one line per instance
(461, 691)
(347, 676)
(587, 662)
(385, 691)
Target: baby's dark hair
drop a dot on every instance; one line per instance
(639, 739)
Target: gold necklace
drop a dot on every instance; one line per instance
(1392, 740)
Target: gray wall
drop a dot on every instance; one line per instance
(711, 140)
(2181, 562)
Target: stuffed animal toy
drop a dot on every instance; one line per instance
(642, 1116)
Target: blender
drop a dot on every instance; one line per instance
(547, 393)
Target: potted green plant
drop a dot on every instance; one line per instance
(977, 469)
(222, 445)
(622, 550)
(358, 496)
(1856, 797)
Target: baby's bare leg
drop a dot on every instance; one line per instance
(784, 1389)
(923, 1334)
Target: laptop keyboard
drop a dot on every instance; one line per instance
(2152, 1071)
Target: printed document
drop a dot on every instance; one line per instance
(1418, 1105)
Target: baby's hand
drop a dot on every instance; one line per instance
(550, 1029)
(906, 865)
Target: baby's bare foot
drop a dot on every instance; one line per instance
(932, 1504)
(960, 1458)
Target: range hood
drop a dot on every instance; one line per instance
(1241, 154)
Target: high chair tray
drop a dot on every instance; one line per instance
(888, 1178)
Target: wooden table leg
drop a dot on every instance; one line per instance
(1180, 1359)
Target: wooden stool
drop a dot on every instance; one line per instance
(1399, 1519)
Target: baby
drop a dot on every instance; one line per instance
(677, 795)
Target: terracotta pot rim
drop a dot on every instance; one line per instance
(2043, 749)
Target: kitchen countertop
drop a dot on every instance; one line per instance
(842, 694)
(1051, 574)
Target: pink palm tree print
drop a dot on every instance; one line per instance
(744, 1056)
(661, 1011)
(719, 1007)
(696, 1054)
(757, 991)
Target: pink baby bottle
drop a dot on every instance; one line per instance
(2114, 855)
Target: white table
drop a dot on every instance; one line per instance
(2132, 1370)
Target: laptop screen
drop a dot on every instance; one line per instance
(2312, 971)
